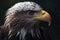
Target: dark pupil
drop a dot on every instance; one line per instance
(31, 12)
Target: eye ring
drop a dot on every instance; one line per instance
(31, 12)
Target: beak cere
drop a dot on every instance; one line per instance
(44, 16)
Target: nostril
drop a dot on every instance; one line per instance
(43, 13)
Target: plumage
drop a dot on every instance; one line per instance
(23, 22)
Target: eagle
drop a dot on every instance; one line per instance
(26, 21)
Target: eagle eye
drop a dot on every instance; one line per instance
(31, 12)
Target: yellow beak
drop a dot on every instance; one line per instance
(44, 16)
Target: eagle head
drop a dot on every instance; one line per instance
(24, 17)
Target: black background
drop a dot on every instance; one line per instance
(52, 6)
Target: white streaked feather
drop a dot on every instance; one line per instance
(24, 6)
